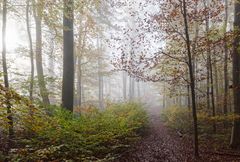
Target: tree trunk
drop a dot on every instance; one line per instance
(68, 56)
(210, 85)
(51, 61)
(133, 89)
(5, 75)
(192, 80)
(79, 85)
(216, 83)
(194, 46)
(225, 104)
(212, 95)
(39, 64)
(138, 90)
(130, 89)
(31, 54)
(100, 76)
(164, 95)
(124, 86)
(188, 97)
(235, 140)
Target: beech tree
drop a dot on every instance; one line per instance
(192, 80)
(5, 74)
(226, 51)
(31, 53)
(38, 12)
(235, 140)
(68, 56)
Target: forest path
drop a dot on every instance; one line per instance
(163, 145)
(159, 145)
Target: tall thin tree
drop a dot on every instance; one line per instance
(5, 72)
(68, 56)
(192, 79)
(30, 50)
(235, 140)
(225, 104)
(38, 9)
(124, 79)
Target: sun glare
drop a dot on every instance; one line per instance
(12, 37)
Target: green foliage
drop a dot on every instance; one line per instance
(180, 118)
(177, 118)
(93, 135)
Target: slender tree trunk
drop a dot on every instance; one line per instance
(138, 90)
(133, 88)
(208, 57)
(83, 92)
(192, 80)
(235, 140)
(130, 89)
(51, 62)
(124, 86)
(5, 75)
(216, 83)
(68, 56)
(180, 96)
(31, 54)
(39, 61)
(79, 85)
(100, 76)
(212, 96)
(188, 97)
(210, 85)
(194, 46)
(41, 80)
(164, 95)
(81, 49)
(225, 104)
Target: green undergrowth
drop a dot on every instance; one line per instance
(59, 135)
(180, 119)
(177, 118)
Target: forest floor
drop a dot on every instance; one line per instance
(161, 144)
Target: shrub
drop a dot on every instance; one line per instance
(91, 136)
(180, 118)
(177, 118)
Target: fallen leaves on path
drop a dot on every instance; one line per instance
(163, 145)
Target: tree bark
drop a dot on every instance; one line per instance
(100, 76)
(164, 95)
(138, 90)
(39, 64)
(192, 80)
(210, 85)
(79, 81)
(225, 103)
(130, 89)
(208, 58)
(235, 140)
(5, 74)
(216, 79)
(68, 56)
(212, 96)
(133, 88)
(31, 54)
(124, 86)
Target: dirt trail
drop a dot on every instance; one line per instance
(162, 145)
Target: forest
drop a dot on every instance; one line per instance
(120, 80)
